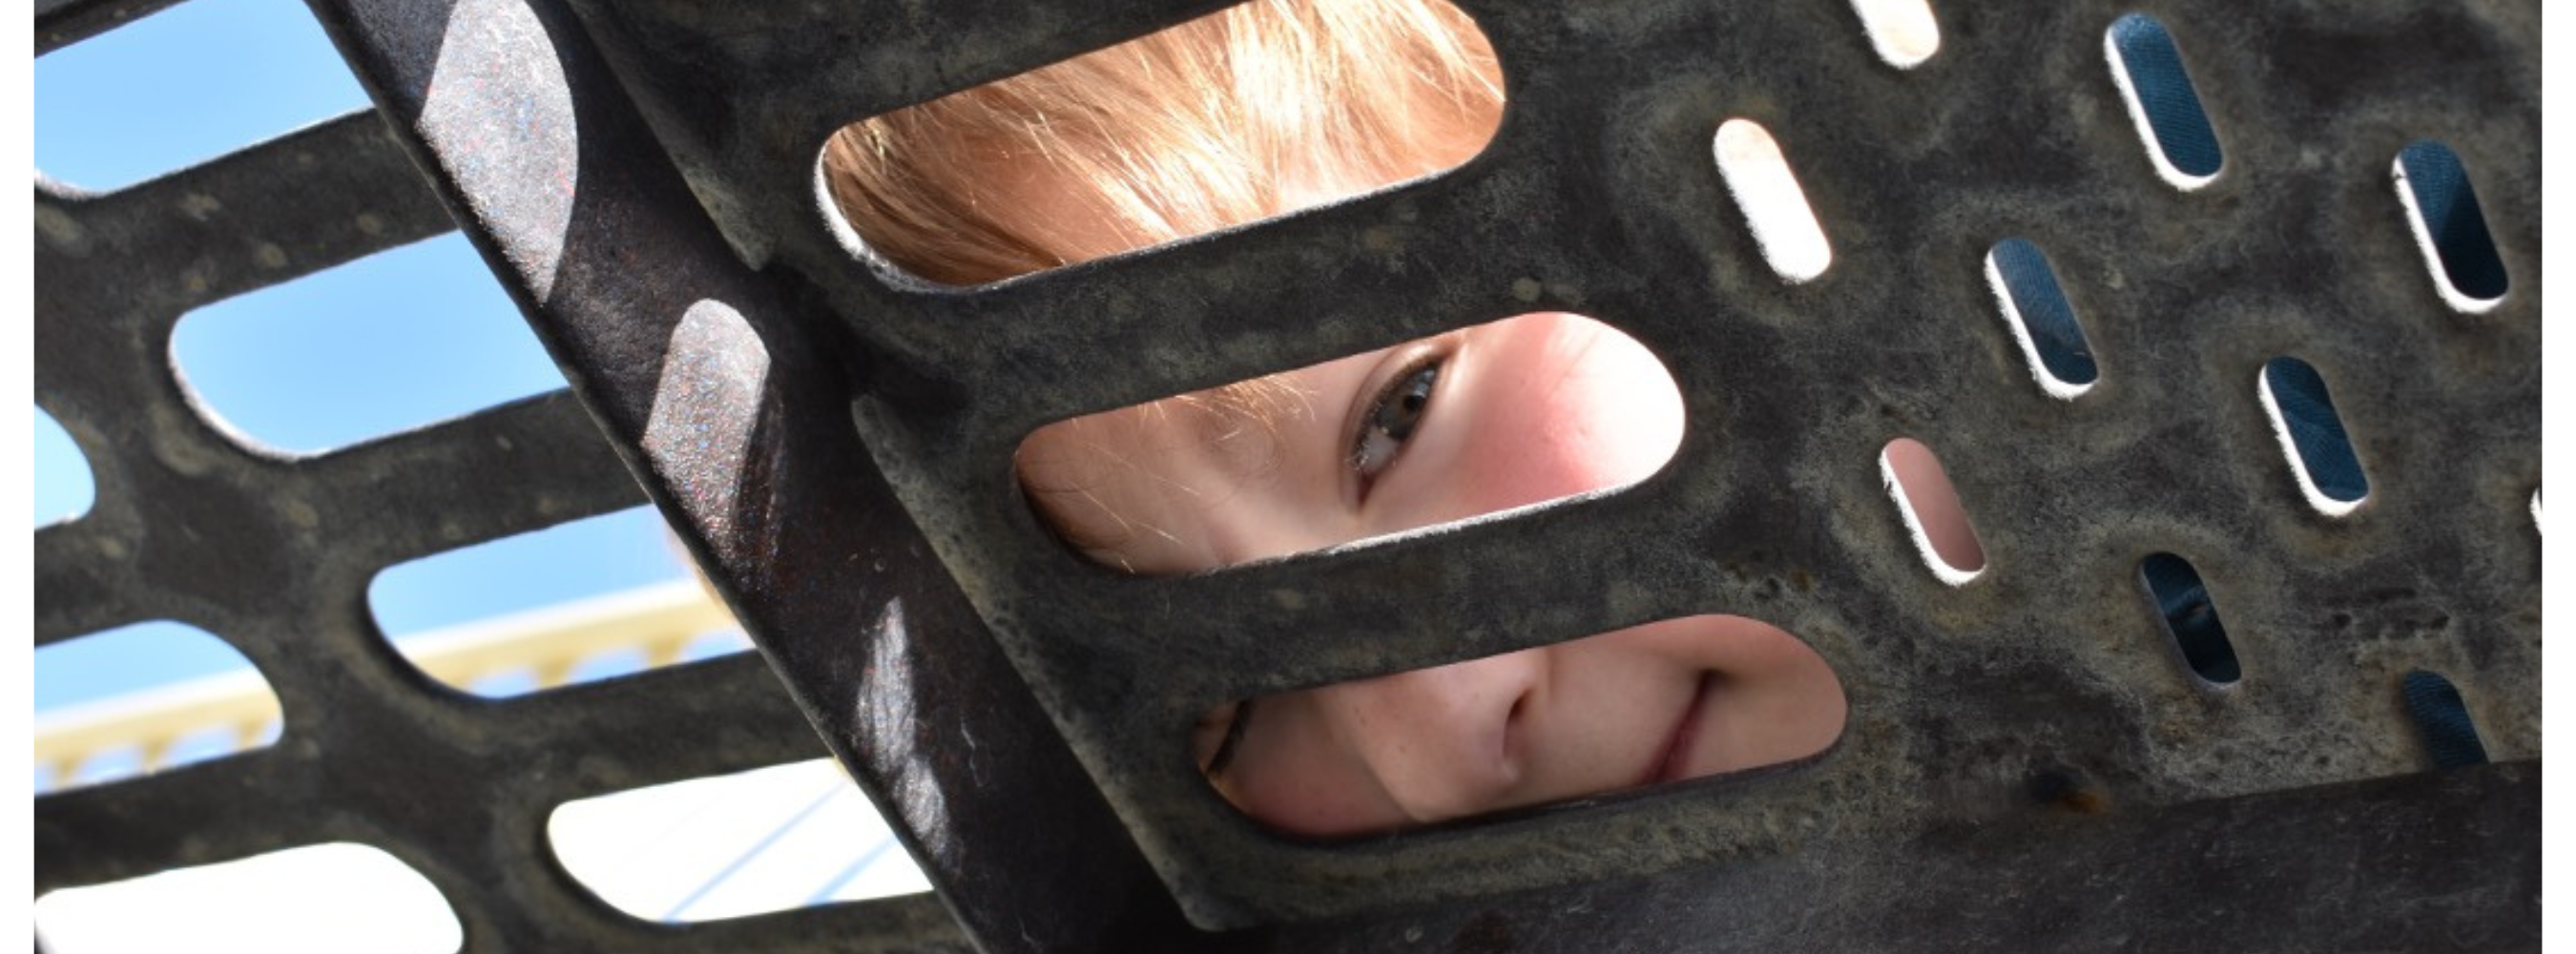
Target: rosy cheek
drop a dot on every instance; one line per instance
(1607, 415)
(1295, 773)
(1310, 797)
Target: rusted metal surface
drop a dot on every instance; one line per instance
(2389, 864)
(834, 441)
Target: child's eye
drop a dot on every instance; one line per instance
(1391, 420)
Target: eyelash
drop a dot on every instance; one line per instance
(1367, 458)
(1234, 729)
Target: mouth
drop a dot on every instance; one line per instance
(1673, 762)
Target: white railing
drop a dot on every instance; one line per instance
(659, 621)
(769, 839)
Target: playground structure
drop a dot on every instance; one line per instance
(2036, 759)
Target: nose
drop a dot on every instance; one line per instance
(1448, 741)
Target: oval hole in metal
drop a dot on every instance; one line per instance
(576, 602)
(1933, 514)
(725, 846)
(1683, 698)
(65, 485)
(2312, 436)
(340, 896)
(1486, 418)
(2442, 210)
(2190, 617)
(1253, 153)
(181, 86)
(2442, 718)
(141, 698)
(2162, 101)
(1902, 31)
(1783, 224)
(394, 341)
(2042, 321)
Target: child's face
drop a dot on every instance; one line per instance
(1487, 418)
(1500, 415)
(1497, 416)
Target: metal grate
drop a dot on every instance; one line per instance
(2030, 763)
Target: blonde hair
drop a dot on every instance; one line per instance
(1250, 112)
(1214, 122)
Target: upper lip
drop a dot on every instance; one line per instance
(1673, 760)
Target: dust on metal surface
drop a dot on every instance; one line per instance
(1007, 705)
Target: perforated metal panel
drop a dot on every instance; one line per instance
(2029, 762)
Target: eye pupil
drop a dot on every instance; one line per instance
(1392, 419)
(1398, 417)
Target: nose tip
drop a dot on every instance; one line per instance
(1444, 742)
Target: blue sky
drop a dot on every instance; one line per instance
(401, 339)
(397, 340)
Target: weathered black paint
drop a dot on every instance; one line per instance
(2022, 753)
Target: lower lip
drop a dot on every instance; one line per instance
(1674, 764)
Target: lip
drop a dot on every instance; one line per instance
(1672, 763)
